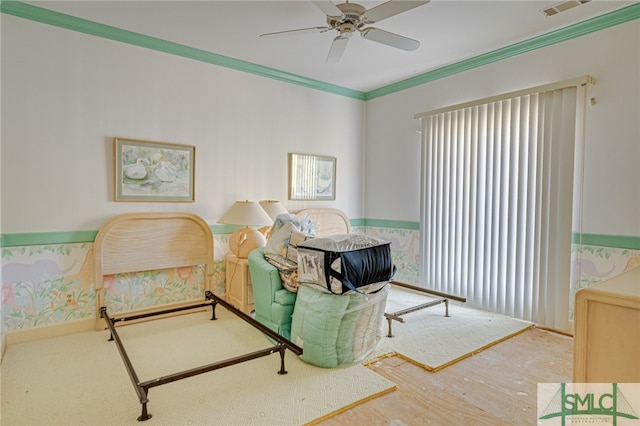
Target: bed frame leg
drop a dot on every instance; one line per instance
(389, 334)
(213, 311)
(446, 307)
(208, 295)
(145, 415)
(282, 370)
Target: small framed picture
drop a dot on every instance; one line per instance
(312, 177)
(154, 171)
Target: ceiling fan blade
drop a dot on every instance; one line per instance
(337, 49)
(390, 39)
(311, 30)
(328, 8)
(389, 9)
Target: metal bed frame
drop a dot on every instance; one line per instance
(133, 242)
(142, 387)
(443, 298)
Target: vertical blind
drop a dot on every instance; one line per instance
(496, 202)
(303, 170)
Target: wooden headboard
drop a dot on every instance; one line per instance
(329, 221)
(135, 242)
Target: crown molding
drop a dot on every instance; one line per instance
(589, 26)
(45, 16)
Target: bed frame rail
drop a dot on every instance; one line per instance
(443, 298)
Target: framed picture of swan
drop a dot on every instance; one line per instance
(154, 171)
(312, 177)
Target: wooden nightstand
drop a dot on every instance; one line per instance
(239, 288)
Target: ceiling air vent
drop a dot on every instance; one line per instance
(561, 7)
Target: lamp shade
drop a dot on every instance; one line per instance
(247, 213)
(273, 208)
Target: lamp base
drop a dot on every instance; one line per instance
(244, 240)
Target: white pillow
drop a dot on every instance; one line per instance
(279, 240)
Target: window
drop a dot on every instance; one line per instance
(497, 199)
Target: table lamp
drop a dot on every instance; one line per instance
(244, 240)
(273, 208)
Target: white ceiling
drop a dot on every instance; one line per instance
(449, 31)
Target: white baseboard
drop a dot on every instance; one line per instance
(87, 324)
(48, 331)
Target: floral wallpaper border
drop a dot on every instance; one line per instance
(52, 284)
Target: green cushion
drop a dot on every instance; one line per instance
(316, 322)
(285, 297)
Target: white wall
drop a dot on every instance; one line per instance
(612, 151)
(66, 95)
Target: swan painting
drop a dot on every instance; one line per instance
(154, 171)
(137, 171)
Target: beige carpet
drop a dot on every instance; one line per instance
(81, 379)
(432, 341)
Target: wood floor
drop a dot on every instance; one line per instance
(495, 387)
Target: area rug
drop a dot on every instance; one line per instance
(81, 379)
(432, 341)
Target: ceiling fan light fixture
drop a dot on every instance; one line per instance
(346, 29)
(347, 18)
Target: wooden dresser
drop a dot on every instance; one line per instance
(607, 331)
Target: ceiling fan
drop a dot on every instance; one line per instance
(347, 18)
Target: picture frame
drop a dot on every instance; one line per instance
(154, 171)
(312, 177)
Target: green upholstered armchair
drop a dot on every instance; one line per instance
(273, 303)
